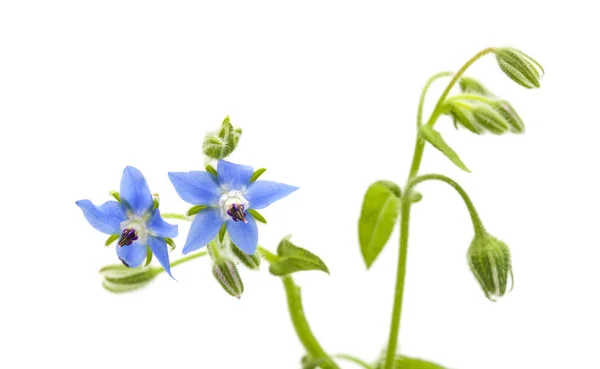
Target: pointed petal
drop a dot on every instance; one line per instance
(161, 252)
(106, 218)
(132, 255)
(197, 188)
(161, 228)
(244, 235)
(204, 228)
(233, 176)
(135, 191)
(261, 194)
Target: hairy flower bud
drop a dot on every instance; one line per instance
(221, 144)
(227, 275)
(252, 262)
(118, 278)
(489, 260)
(472, 86)
(519, 67)
(490, 119)
(515, 123)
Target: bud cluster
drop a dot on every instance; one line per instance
(219, 145)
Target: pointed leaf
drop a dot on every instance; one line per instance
(377, 218)
(295, 259)
(433, 137)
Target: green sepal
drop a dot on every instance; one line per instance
(222, 232)
(195, 210)
(295, 259)
(112, 238)
(473, 86)
(433, 137)
(116, 195)
(226, 273)
(462, 115)
(519, 67)
(118, 278)
(505, 109)
(257, 173)
(377, 219)
(221, 144)
(489, 118)
(171, 243)
(149, 256)
(251, 262)
(210, 169)
(155, 201)
(258, 216)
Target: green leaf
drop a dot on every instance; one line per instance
(377, 218)
(112, 238)
(210, 169)
(257, 174)
(295, 259)
(258, 216)
(433, 137)
(195, 210)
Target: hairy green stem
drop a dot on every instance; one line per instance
(294, 299)
(406, 204)
(175, 216)
(307, 338)
(477, 224)
(424, 93)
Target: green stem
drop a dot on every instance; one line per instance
(406, 204)
(477, 224)
(294, 300)
(355, 360)
(175, 216)
(307, 338)
(183, 260)
(424, 93)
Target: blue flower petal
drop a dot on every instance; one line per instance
(244, 235)
(161, 252)
(132, 255)
(161, 228)
(106, 218)
(197, 188)
(261, 194)
(233, 176)
(135, 191)
(204, 228)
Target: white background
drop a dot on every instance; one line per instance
(326, 93)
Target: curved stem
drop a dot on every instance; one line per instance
(307, 338)
(477, 224)
(355, 360)
(405, 209)
(294, 300)
(424, 93)
(182, 260)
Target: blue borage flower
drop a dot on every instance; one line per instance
(135, 219)
(227, 196)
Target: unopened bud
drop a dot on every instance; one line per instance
(488, 118)
(519, 67)
(228, 277)
(221, 144)
(515, 123)
(252, 262)
(118, 278)
(472, 86)
(490, 262)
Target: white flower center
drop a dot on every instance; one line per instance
(229, 198)
(138, 224)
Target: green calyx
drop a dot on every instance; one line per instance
(226, 273)
(118, 278)
(519, 67)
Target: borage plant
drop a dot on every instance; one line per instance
(226, 200)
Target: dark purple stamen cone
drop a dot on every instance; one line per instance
(127, 237)
(236, 212)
